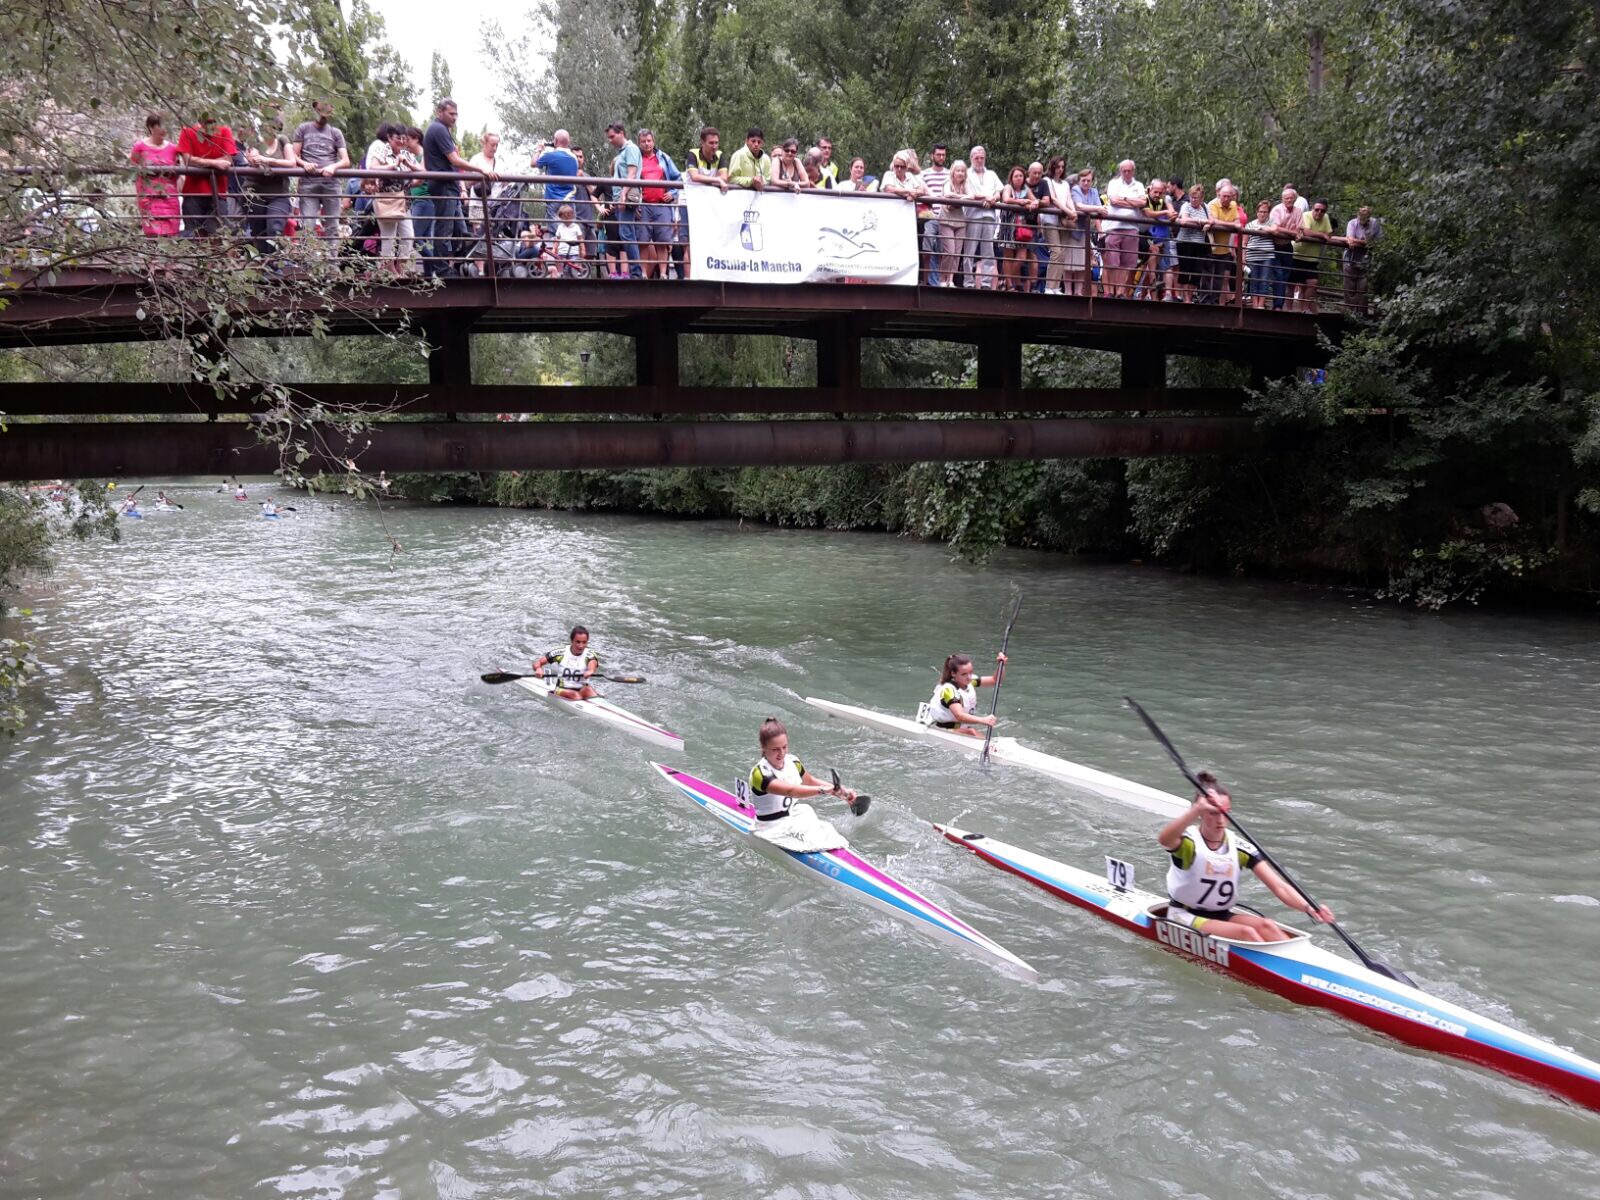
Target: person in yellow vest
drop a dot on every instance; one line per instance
(571, 669)
(827, 167)
(1225, 211)
(1207, 861)
(1316, 233)
(954, 706)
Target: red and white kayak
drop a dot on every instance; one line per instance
(599, 708)
(849, 872)
(1303, 972)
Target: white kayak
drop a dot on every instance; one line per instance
(600, 709)
(1007, 751)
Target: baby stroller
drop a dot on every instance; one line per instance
(508, 210)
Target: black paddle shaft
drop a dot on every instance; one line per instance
(1381, 968)
(1000, 677)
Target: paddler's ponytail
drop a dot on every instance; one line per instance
(953, 664)
(1209, 782)
(771, 728)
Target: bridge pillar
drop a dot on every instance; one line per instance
(655, 355)
(839, 360)
(1000, 360)
(450, 354)
(1144, 365)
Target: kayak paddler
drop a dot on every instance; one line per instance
(239, 493)
(269, 507)
(572, 667)
(131, 506)
(955, 700)
(1203, 878)
(779, 779)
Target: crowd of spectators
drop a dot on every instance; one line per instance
(1032, 228)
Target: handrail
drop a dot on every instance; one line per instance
(469, 177)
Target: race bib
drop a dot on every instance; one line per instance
(1119, 874)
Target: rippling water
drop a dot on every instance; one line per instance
(292, 905)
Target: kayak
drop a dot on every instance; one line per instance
(1009, 752)
(272, 516)
(134, 516)
(851, 873)
(1305, 973)
(168, 508)
(601, 709)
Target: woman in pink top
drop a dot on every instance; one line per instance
(158, 194)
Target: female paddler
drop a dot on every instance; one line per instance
(1203, 878)
(955, 700)
(572, 667)
(779, 779)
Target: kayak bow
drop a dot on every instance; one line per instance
(601, 709)
(1009, 752)
(850, 872)
(1304, 973)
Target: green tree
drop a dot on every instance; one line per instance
(439, 85)
(580, 83)
(358, 68)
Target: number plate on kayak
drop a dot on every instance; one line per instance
(741, 793)
(924, 713)
(1119, 874)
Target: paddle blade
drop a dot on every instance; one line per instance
(625, 678)
(1394, 973)
(861, 805)
(501, 677)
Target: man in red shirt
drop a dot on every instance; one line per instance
(205, 144)
(657, 220)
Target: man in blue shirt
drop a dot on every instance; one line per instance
(446, 230)
(625, 200)
(558, 159)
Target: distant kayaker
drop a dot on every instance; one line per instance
(131, 506)
(571, 668)
(779, 779)
(955, 700)
(1203, 878)
(269, 508)
(239, 493)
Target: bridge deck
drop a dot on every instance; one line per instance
(98, 306)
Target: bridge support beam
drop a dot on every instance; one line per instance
(1000, 360)
(839, 357)
(1144, 365)
(655, 356)
(450, 359)
(77, 451)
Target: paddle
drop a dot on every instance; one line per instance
(510, 676)
(1000, 677)
(1373, 964)
(861, 804)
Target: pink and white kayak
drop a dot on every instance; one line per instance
(849, 872)
(600, 709)
(1305, 973)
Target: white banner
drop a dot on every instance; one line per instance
(745, 236)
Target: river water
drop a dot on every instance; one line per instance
(292, 905)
